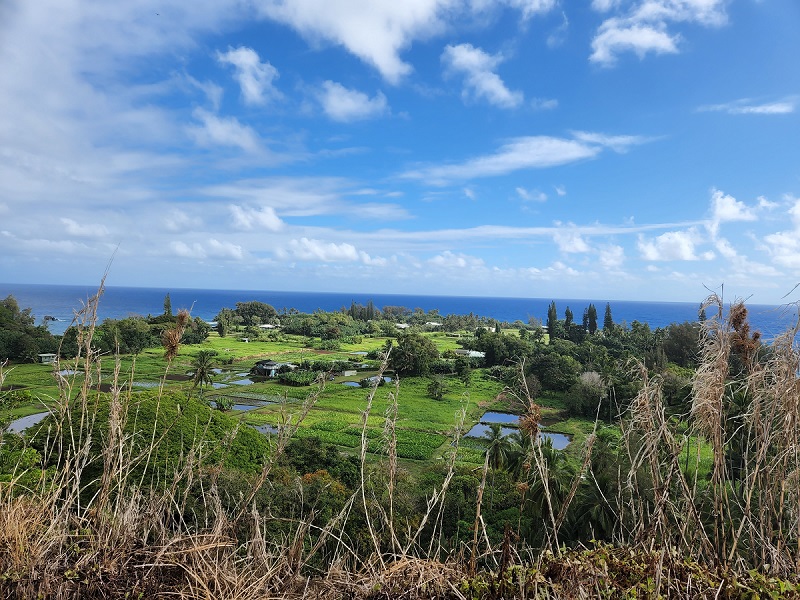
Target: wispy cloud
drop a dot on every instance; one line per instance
(214, 130)
(480, 81)
(533, 152)
(746, 106)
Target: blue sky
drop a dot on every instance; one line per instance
(617, 149)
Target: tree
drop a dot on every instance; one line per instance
(167, 305)
(413, 355)
(592, 318)
(608, 321)
(552, 319)
(568, 318)
(497, 447)
(203, 365)
(255, 313)
(436, 388)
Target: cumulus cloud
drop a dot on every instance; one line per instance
(345, 105)
(745, 106)
(480, 81)
(645, 27)
(570, 242)
(262, 218)
(451, 260)
(255, 78)
(611, 257)
(726, 208)
(315, 250)
(784, 246)
(213, 248)
(85, 230)
(532, 152)
(376, 32)
(179, 220)
(673, 245)
(220, 131)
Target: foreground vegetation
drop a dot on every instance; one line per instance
(372, 492)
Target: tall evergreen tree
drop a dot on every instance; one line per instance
(608, 322)
(552, 318)
(568, 317)
(167, 305)
(592, 318)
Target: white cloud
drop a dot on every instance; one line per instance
(560, 190)
(611, 257)
(745, 106)
(604, 5)
(645, 27)
(221, 131)
(726, 208)
(784, 246)
(451, 260)
(480, 80)
(544, 103)
(345, 105)
(469, 193)
(211, 249)
(531, 195)
(570, 242)
(376, 32)
(673, 245)
(86, 230)
(533, 152)
(614, 38)
(263, 218)
(255, 78)
(618, 143)
(217, 249)
(315, 250)
(179, 220)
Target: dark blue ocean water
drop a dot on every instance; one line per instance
(61, 301)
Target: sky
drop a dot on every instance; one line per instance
(610, 149)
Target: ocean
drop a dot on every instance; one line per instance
(62, 301)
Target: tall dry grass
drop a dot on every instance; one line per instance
(123, 536)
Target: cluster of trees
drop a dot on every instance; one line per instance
(20, 338)
(592, 366)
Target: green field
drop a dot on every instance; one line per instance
(425, 428)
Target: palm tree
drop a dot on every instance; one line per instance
(203, 365)
(497, 449)
(498, 446)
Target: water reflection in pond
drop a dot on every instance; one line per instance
(65, 372)
(351, 383)
(558, 440)
(243, 382)
(23, 423)
(267, 428)
(219, 386)
(146, 384)
(481, 429)
(498, 417)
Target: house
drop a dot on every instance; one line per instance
(470, 353)
(47, 358)
(270, 368)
